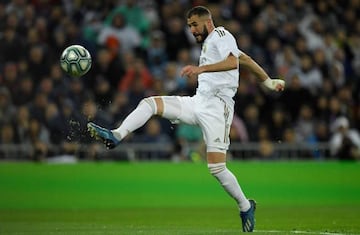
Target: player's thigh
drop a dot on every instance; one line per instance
(215, 120)
(179, 109)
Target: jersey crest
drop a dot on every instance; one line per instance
(203, 48)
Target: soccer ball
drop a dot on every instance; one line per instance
(75, 60)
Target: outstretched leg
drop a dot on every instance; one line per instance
(139, 116)
(165, 106)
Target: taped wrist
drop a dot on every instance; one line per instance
(269, 83)
(273, 83)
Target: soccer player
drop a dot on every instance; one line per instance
(211, 108)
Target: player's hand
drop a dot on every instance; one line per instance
(274, 84)
(190, 71)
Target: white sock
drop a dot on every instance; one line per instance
(136, 119)
(232, 187)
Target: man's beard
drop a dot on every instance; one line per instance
(202, 35)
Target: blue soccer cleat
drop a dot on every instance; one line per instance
(248, 217)
(103, 134)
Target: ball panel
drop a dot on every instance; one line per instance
(84, 64)
(72, 55)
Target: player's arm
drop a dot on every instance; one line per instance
(231, 62)
(273, 84)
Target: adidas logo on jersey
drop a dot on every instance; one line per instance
(217, 140)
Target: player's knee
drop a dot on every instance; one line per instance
(150, 101)
(155, 103)
(216, 168)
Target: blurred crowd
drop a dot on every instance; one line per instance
(138, 49)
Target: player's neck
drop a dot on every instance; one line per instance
(211, 28)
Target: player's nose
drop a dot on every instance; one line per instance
(193, 30)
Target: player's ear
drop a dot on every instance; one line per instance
(209, 23)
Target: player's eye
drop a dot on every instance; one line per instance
(192, 25)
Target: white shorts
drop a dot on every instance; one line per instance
(211, 113)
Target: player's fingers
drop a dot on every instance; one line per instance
(279, 87)
(182, 73)
(185, 71)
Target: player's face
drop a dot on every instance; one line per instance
(198, 28)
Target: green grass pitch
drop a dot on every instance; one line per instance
(166, 198)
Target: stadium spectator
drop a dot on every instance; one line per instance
(78, 94)
(309, 75)
(21, 124)
(7, 137)
(39, 137)
(7, 134)
(25, 92)
(266, 150)
(119, 108)
(321, 109)
(7, 109)
(243, 14)
(135, 17)
(38, 64)
(285, 59)
(312, 29)
(10, 77)
(345, 141)
(46, 86)
(153, 135)
(70, 120)
(136, 81)
(176, 37)
(321, 62)
(335, 109)
(184, 57)
(305, 124)
(189, 142)
(28, 16)
(157, 57)
(91, 112)
(259, 32)
(54, 124)
(171, 79)
(252, 121)
(238, 130)
(321, 135)
(290, 139)
(11, 46)
(294, 96)
(38, 106)
(107, 65)
(60, 83)
(103, 93)
(322, 132)
(72, 131)
(124, 34)
(78, 131)
(278, 123)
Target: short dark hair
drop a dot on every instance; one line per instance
(199, 11)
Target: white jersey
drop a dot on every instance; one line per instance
(219, 44)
